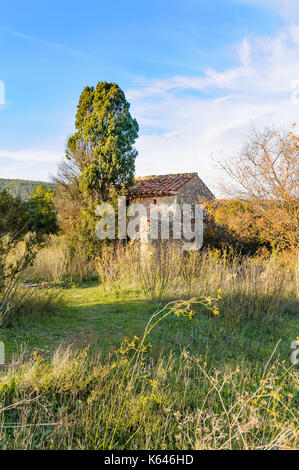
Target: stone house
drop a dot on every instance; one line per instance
(170, 189)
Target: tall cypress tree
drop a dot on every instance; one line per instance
(105, 133)
(99, 163)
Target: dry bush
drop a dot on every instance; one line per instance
(15, 258)
(18, 302)
(115, 266)
(266, 172)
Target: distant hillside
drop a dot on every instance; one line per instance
(21, 188)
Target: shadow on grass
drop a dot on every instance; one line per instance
(217, 339)
(237, 334)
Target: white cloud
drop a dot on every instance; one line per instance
(29, 164)
(287, 9)
(185, 119)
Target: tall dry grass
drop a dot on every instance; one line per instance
(57, 262)
(78, 402)
(251, 288)
(156, 272)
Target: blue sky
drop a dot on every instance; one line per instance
(197, 74)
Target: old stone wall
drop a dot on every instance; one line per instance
(190, 193)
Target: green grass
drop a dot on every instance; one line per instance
(203, 383)
(94, 316)
(206, 382)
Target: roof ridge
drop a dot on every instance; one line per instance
(139, 178)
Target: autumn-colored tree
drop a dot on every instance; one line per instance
(266, 172)
(232, 222)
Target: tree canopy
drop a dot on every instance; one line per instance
(105, 134)
(99, 162)
(42, 212)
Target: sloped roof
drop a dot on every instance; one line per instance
(159, 185)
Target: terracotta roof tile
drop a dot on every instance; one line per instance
(161, 185)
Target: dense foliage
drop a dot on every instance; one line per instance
(106, 132)
(22, 227)
(42, 211)
(18, 217)
(14, 215)
(99, 162)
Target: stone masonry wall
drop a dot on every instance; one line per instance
(190, 193)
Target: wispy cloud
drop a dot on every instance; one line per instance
(36, 164)
(38, 40)
(2, 93)
(186, 119)
(287, 9)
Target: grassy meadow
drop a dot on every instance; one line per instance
(168, 352)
